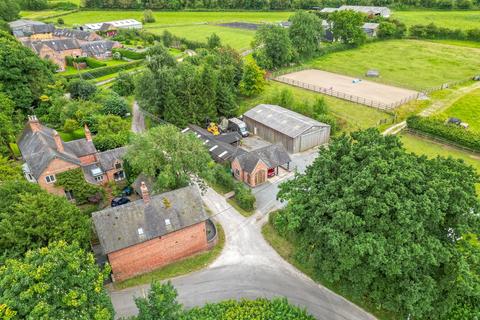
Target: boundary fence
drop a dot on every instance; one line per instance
(348, 97)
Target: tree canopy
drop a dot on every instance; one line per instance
(9, 10)
(60, 281)
(23, 75)
(273, 47)
(305, 32)
(30, 218)
(347, 26)
(387, 225)
(169, 156)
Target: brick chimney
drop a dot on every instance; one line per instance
(145, 193)
(58, 141)
(34, 124)
(88, 134)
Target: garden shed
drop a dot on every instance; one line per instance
(278, 125)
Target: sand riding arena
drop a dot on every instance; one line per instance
(361, 91)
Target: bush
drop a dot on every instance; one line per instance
(223, 177)
(60, 21)
(244, 197)
(73, 180)
(91, 63)
(70, 125)
(148, 16)
(330, 120)
(81, 89)
(453, 133)
(130, 54)
(114, 104)
(124, 85)
(100, 72)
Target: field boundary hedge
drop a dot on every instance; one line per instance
(130, 54)
(451, 133)
(103, 71)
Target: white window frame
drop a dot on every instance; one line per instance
(99, 178)
(50, 178)
(118, 173)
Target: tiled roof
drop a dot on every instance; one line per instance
(72, 33)
(95, 48)
(272, 155)
(136, 222)
(108, 158)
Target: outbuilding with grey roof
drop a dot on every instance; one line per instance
(279, 125)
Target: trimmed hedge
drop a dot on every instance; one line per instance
(432, 31)
(129, 54)
(91, 63)
(100, 72)
(453, 133)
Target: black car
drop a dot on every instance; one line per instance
(118, 201)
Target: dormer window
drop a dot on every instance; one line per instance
(118, 165)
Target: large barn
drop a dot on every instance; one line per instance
(278, 125)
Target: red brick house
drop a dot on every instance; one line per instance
(152, 232)
(256, 166)
(45, 155)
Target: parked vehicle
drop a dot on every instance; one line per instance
(118, 201)
(237, 125)
(127, 191)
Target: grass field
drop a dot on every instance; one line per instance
(164, 19)
(353, 116)
(407, 63)
(191, 25)
(237, 38)
(467, 109)
(449, 19)
(460, 43)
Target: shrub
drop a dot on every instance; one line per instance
(223, 177)
(330, 120)
(453, 133)
(130, 54)
(60, 21)
(100, 72)
(148, 16)
(116, 105)
(244, 197)
(81, 89)
(124, 85)
(94, 63)
(73, 180)
(70, 125)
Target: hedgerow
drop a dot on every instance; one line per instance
(453, 133)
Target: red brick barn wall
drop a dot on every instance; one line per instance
(155, 253)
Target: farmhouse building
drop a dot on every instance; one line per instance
(255, 167)
(152, 232)
(46, 155)
(55, 50)
(118, 24)
(278, 125)
(80, 35)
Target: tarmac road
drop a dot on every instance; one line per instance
(247, 268)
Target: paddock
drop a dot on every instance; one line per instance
(360, 91)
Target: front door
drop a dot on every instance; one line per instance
(260, 177)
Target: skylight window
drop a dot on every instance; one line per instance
(213, 148)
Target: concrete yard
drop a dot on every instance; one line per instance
(348, 88)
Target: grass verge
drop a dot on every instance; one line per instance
(178, 268)
(243, 212)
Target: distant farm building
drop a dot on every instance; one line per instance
(278, 125)
(370, 29)
(368, 10)
(120, 24)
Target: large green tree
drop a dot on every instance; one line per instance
(273, 47)
(386, 224)
(9, 170)
(23, 75)
(253, 79)
(305, 32)
(347, 26)
(171, 157)
(60, 281)
(9, 10)
(31, 218)
(160, 304)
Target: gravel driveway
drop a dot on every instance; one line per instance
(248, 267)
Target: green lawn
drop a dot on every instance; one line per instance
(164, 19)
(460, 43)
(406, 63)
(353, 116)
(449, 19)
(467, 109)
(178, 268)
(192, 25)
(237, 38)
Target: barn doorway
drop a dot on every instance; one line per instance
(260, 177)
